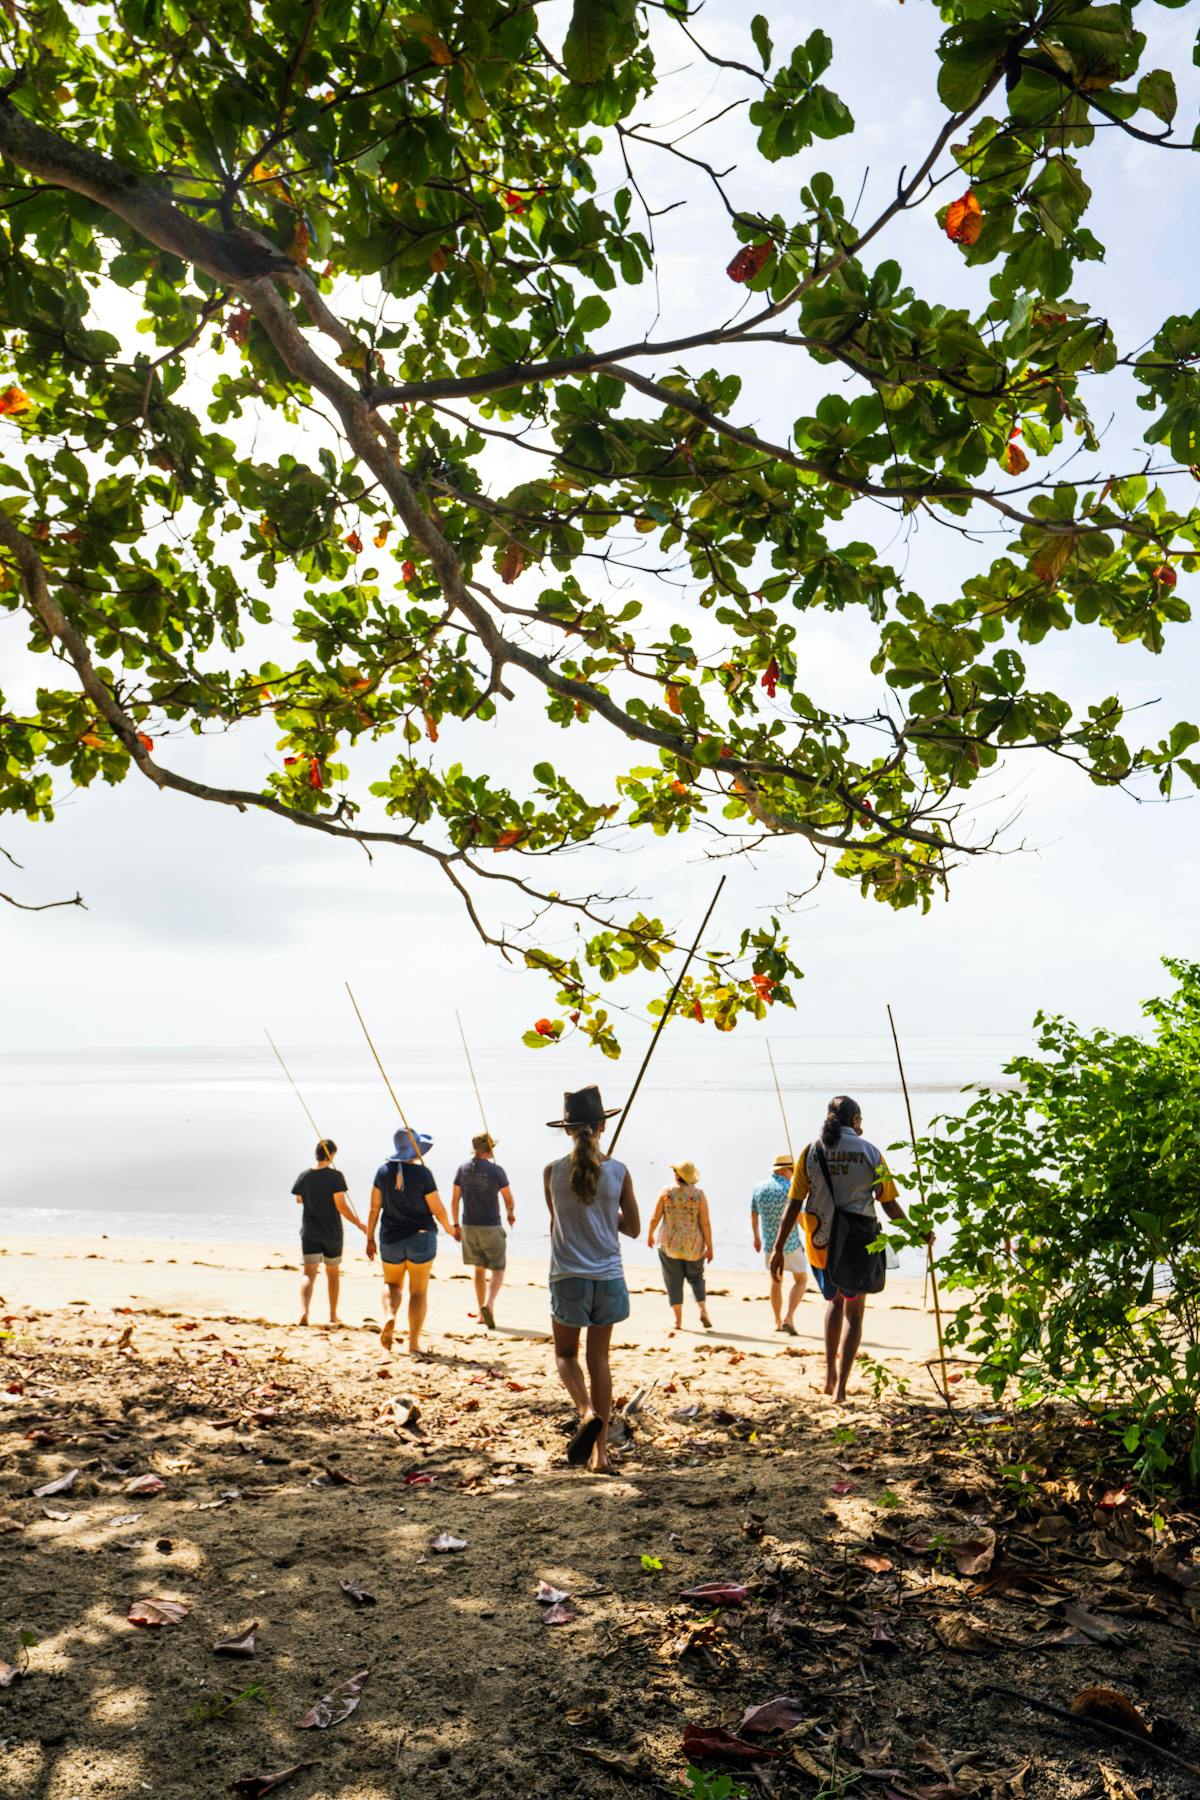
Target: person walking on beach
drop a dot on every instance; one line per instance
(406, 1206)
(840, 1178)
(685, 1241)
(767, 1206)
(479, 1187)
(592, 1204)
(322, 1193)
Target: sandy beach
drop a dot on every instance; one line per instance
(212, 1520)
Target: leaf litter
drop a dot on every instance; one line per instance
(332, 1708)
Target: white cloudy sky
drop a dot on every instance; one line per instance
(202, 924)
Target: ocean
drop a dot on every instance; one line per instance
(203, 1144)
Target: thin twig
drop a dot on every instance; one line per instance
(1101, 1725)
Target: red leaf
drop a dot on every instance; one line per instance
(507, 839)
(333, 1708)
(333, 1478)
(964, 219)
(715, 1744)
(774, 1715)
(237, 325)
(422, 1480)
(353, 542)
(717, 1593)
(764, 986)
(543, 1027)
(1165, 575)
(408, 571)
(157, 1612)
(749, 261)
(146, 742)
(1015, 459)
(698, 1011)
(315, 778)
(771, 679)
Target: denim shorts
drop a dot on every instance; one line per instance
(576, 1300)
(418, 1247)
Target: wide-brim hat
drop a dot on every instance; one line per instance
(686, 1172)
(404, 1150)
(784, 1162)
(584, 1107)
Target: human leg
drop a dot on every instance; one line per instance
(599, 1338)
(333, 1281)
(834, 1315)
(799, 1284)
(479, 1277)
(777, 1302)
(308, 1280)
(494, 1284)
(570, 1373)
(393, 1290)
(694, 1270)
(418, 1301)
(855, 1307)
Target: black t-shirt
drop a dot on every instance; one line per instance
(403, 1187)
(480, 1182)
(316, 1188)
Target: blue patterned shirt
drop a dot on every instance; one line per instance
(769, 1200)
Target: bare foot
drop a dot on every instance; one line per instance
(705, 1320)
(388, 1333)
(303, 1321)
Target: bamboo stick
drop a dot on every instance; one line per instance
(783, 1109)
(295, 1089)
(471, 1066)
(931, 1269)
(412, 1136)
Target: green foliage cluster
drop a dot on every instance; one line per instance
(1074, 1202)
(383, 220)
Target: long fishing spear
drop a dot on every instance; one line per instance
(471, 1066)
(666, 1013)
(412, 1136)
(779, 1095)
(930, 1266)
(295, 1089)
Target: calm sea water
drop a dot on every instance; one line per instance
(204, 1144)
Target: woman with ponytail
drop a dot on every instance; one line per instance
(592, 1204)
(837, 1183)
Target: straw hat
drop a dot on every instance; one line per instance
(686, 1172)
(784, 1162)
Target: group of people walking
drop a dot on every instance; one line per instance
(830, 1192)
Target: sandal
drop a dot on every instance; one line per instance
(488, 1317)
(584, 1441)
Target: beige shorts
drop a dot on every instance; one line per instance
(485, 1247)
(794, 1261)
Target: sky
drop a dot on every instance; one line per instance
(202, 924)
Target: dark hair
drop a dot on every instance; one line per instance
(326, 1150)
(842, 1111)
(585, 1162)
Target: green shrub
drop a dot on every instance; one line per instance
(1074, 1202)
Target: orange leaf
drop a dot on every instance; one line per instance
(697, 1011)
(381, 536)
(353, 542)
(507, 839)
(92, 741)
(673, 700)
(764, 986)
(964, 219)
(513, 562)
(314, 773)
(437, 262)
(543, 1027)
(749, 261)
(298, 248)
(1015, 459)
(237, 325)
(14, 400)
(679, 787)
(147, 743)
(438, 49)
(431, 728)
(409, 571)
(1165, 575)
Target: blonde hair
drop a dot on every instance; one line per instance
(482, 1145)
(585, 1163)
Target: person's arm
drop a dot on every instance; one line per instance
(372, 1221)
(510, 1205)
(455, 1202)
(434, 1202)
(797, 1196)
(345, 1206)
(754, 1224)
(656, 1220)
(548, 1194)
(629, 1222)
(706, 1228)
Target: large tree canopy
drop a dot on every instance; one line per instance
(388, 222)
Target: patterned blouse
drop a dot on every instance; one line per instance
(681, 1234)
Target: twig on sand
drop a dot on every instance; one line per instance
(1093, 1724)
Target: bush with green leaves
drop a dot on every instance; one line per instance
(1074, 1198)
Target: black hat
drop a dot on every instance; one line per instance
(584, 1108)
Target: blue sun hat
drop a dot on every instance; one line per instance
(404, 1151)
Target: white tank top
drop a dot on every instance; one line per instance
(583, 1239)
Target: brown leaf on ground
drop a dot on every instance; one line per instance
(7, 1525)
(717, 1593)
(772, 1715)
(704, 1743)
(331, 1709)
(145, 1484)
(9, 1673)
(549, 1595)
(333, 1478)
(157, 1612)
(62, 1484)
(973, 1555)
(446, 1543)
(1112, 1708)
(957, 1633)
(253, 1787)
(1096, 1626)
(878, 1565)
(237, 1646)
(559, 1614)
(1115, 1785)
(358, 1594)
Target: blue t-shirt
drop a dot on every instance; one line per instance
(403, 1187)
(480, 1182)
(769, 1200)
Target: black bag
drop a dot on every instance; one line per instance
(850, 1265)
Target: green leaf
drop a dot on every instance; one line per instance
(760, 31)
(598, 33)
(1156, 92)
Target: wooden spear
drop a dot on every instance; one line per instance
(779, 1095)
(932, 1270)
(471, 1066)
(295, 1089)
(666, 1013)
(412, 1136)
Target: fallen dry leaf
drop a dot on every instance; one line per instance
(445, 1541)
(974, 1555)
(145, 1484)
(549, 1595)
(717, 1593)
(561, 1613)
(60, 1517)
(957, 1633)
(237, 1646)
(333, 1708)
(715, 1744)
(354, 1591)
(62, 1484)
(157, 1612)
(1112, 1708)
(1096, 1626)
(773, 1715)
(9, 1673)
(252, 1787)
(333, 1478)
(7, 1525)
